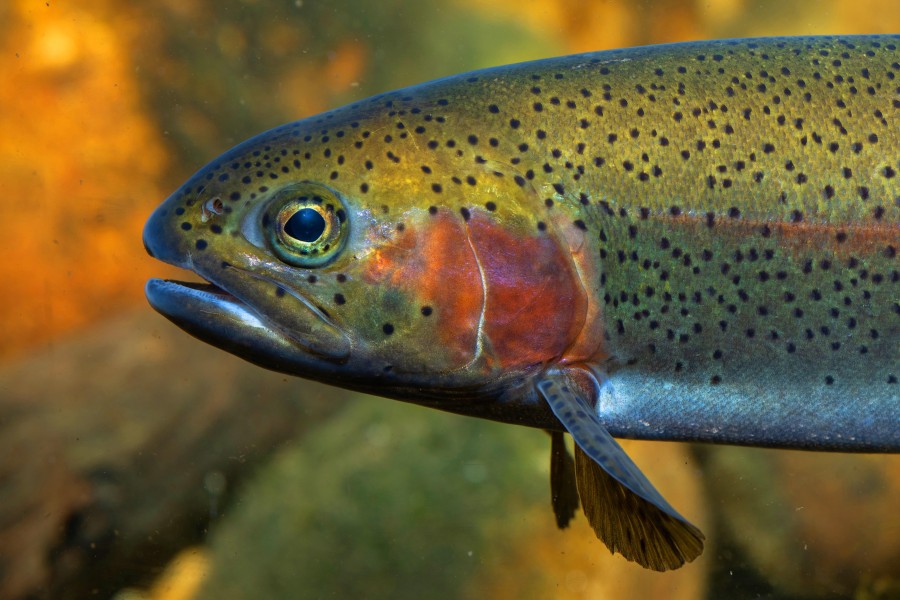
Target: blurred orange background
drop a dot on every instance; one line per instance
(96, 130)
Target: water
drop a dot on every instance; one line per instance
(139, 463)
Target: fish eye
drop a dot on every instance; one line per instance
(306, 225)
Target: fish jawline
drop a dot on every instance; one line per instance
(174, 299)
(212, 315)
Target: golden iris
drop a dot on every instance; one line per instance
(307, 225)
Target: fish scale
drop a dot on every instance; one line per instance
(685, 242)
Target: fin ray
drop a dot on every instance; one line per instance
(630, 525)
(626, 512)
(563, 489)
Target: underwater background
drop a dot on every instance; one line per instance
(138, 463)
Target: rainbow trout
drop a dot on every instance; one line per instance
(685, 242)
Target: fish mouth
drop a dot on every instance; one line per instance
(178, 300)
(218, 317)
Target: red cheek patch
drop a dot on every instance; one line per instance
(433, 262)
(535, 303)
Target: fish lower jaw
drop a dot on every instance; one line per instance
(212, 314)
(182, 300)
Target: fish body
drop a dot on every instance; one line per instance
(684, 242)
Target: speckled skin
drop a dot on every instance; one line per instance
(710, 229)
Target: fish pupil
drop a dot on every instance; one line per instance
(306, 225)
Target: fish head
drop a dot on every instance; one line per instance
(372, 248)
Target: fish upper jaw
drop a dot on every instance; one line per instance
(161, 241)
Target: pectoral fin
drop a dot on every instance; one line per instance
(563, 491)
(624, 509)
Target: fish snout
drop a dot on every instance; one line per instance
(164, 236)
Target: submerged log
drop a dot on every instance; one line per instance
(120, 446)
